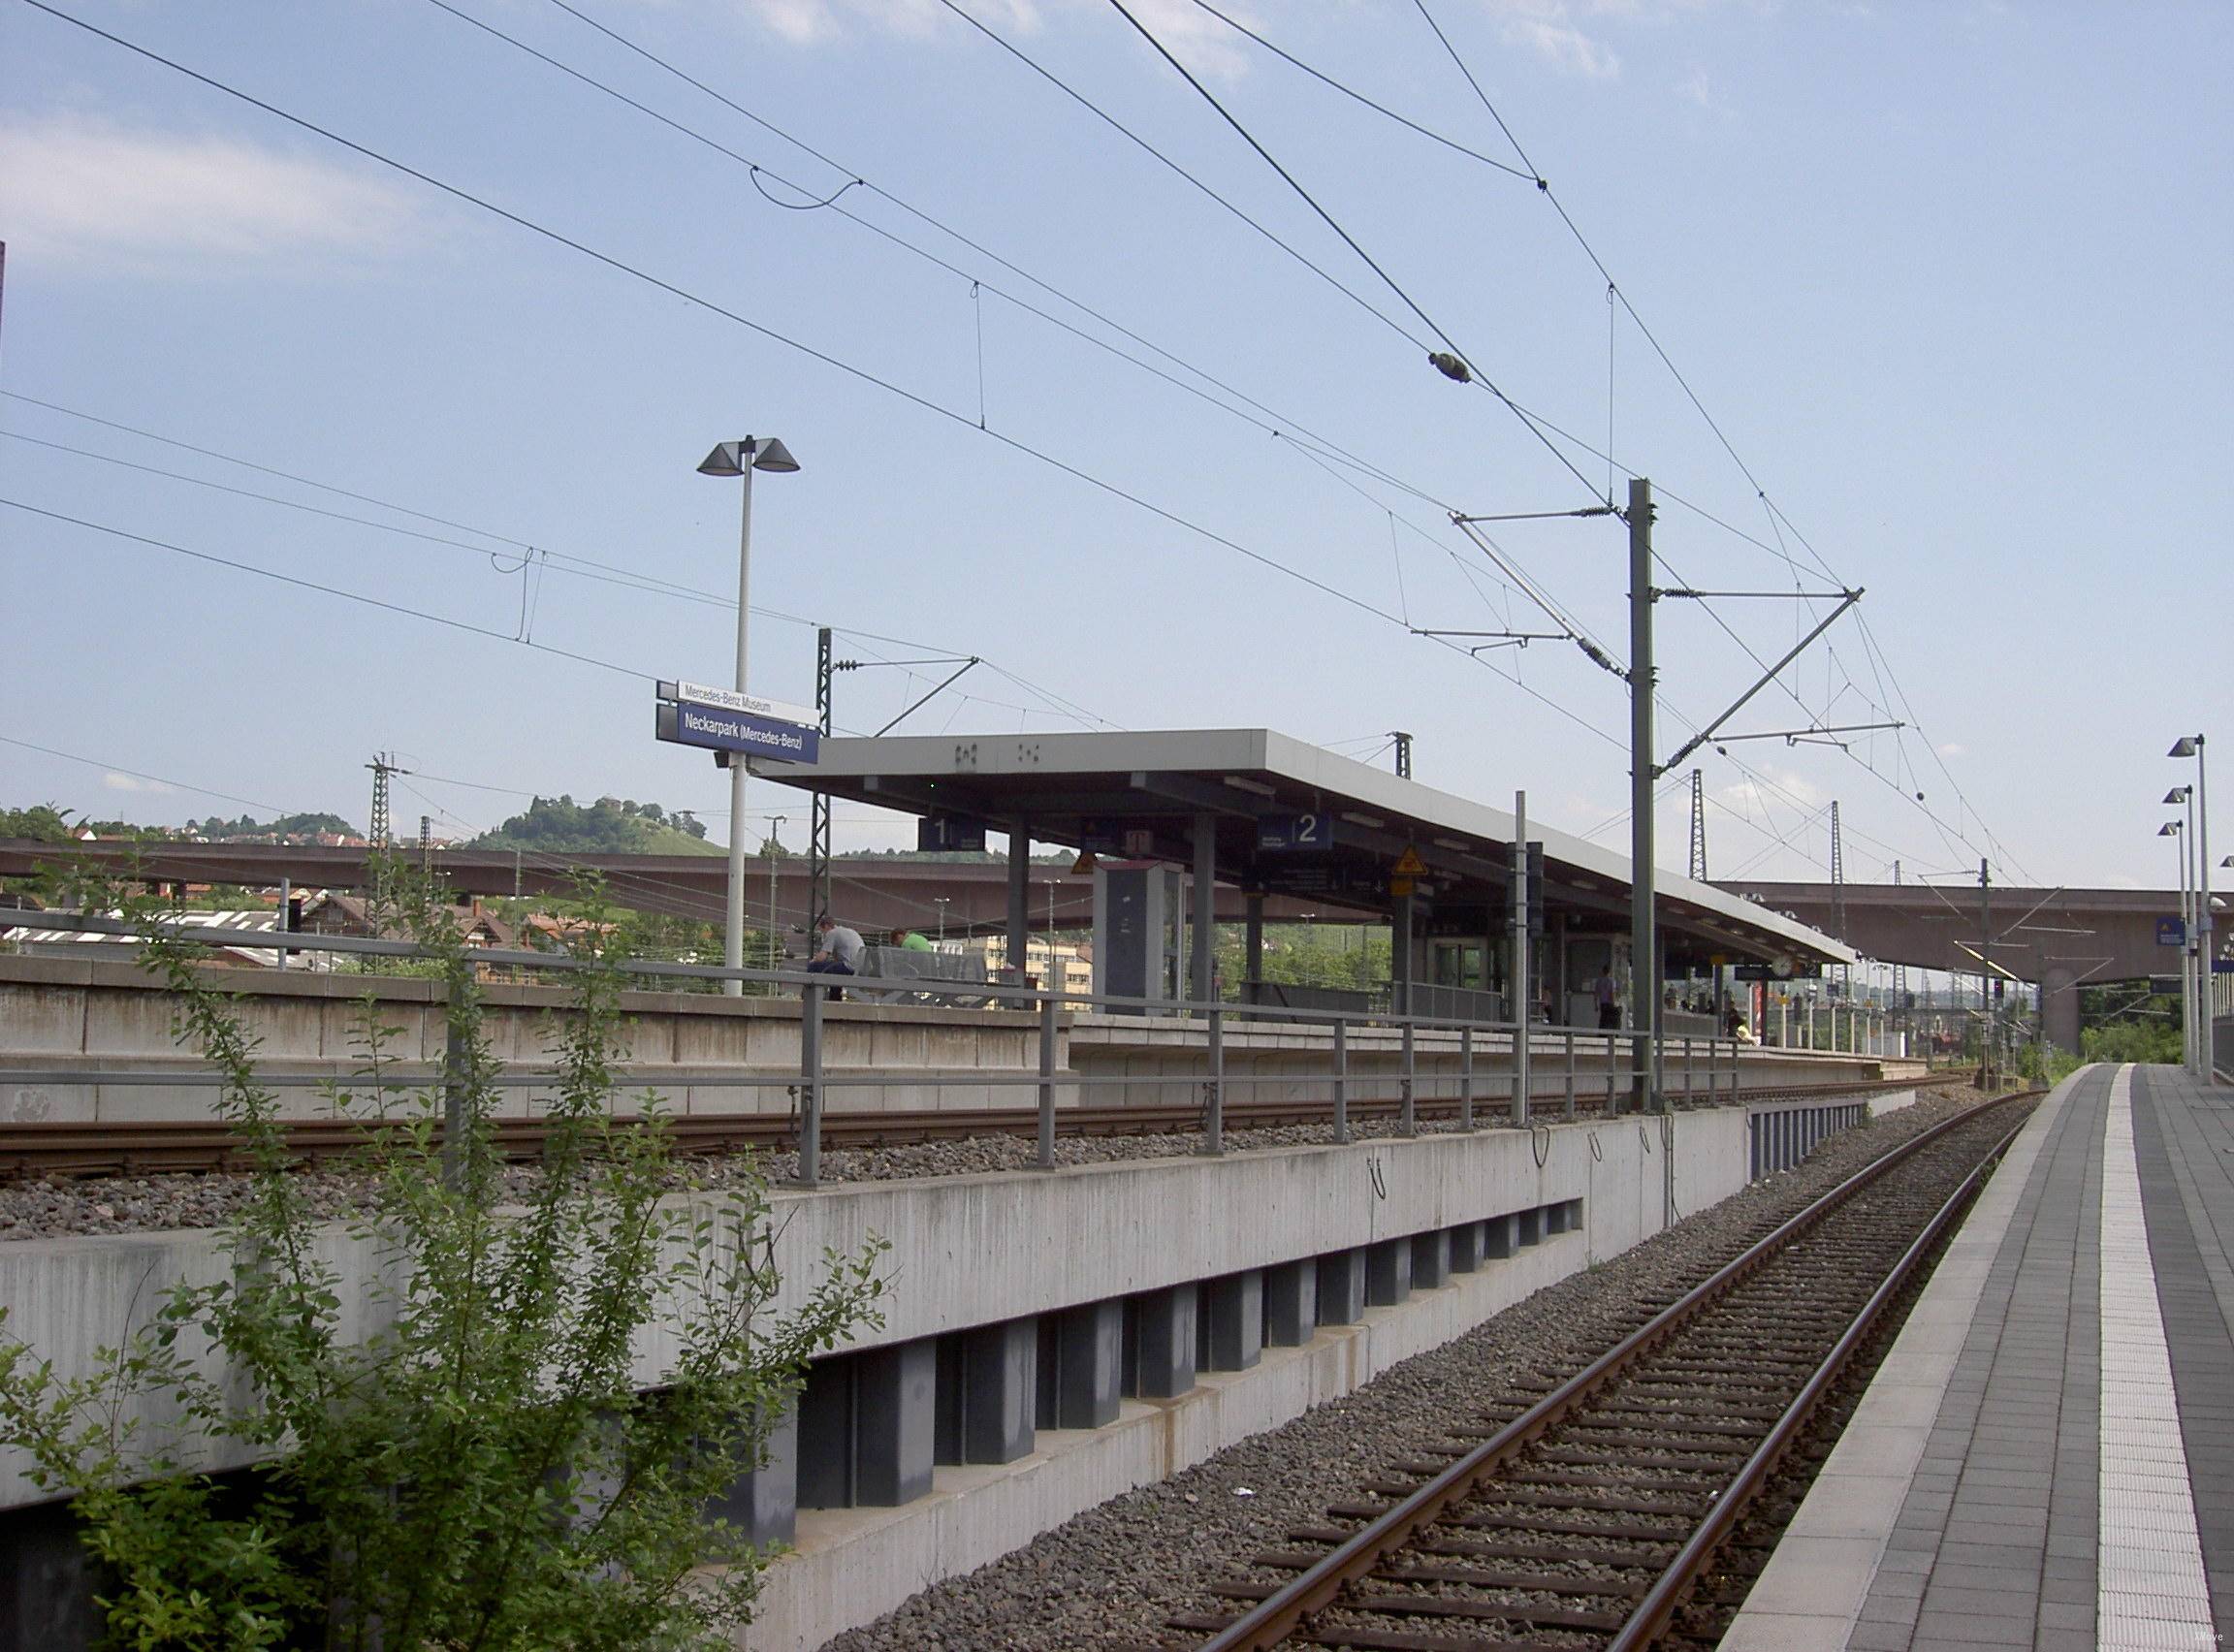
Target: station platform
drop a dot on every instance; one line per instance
(2045, 1457)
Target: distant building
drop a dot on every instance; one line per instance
(552, 934)
(1057, 966)
(335, 911)
(29, 938)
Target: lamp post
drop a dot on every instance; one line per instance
(741, 459)
(2199, 936)
(2190, 921)
(940, 900)
(2172, 829)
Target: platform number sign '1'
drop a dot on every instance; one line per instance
(1303, 833)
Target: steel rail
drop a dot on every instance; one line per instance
(1273, 1619)
(1657, 1610)
(124, 1146)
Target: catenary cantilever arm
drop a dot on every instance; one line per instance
(1767, 676)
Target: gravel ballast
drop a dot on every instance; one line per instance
(1109, 1579)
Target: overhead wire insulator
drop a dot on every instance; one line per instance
(1599, 656)
(1451, 366)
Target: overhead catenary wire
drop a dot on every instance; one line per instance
(446, 621)
(488, 631)
(1778, 521)
(329, 590)
(1776, 517)
(1381, 505)
(1614, 287)
(1100, 113)
(1282, 426)
(924, 403)
(1528, 419)
(1352, 93)
(914, 398)
(139, 775)
(1351, 241)
(1661, 490)
(346, 594)
(891, 387)
(501, 211)
(566, 563)
(1286, 427)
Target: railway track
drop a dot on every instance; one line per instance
(1586, 1516)
(141, 1147)
(144, 1147)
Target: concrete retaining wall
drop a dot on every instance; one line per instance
(1613, 1179)
(975, 1250)
(75, 1015)
(70, 1013)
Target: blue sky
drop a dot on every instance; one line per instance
(1950, 280)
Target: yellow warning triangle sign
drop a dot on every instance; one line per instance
(1408, 864)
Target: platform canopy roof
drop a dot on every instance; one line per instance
(1289, 818)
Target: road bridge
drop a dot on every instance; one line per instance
(2059, 938)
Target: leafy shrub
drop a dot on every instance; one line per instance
(483, 1468)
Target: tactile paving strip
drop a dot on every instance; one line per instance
(2150, 1591)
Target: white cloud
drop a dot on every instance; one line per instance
(1547, 29)
(1696, 88)
(89, 194)
(1198, 39)
(1597, 819)
(1195, 37)
(115, 781)
(811, 22)
(1774, 795)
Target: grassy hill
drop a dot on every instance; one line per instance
(611, 826)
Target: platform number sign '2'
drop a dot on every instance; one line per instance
(1302, 833)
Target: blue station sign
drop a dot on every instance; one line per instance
(1296, 832)
(719, 728)
(2171, 931)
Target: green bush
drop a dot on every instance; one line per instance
(484, 1469)
(2132, 1041)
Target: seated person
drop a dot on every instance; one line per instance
(840, 953)
(910, 940)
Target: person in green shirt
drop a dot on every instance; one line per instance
(910, 940)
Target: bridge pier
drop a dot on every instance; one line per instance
(2060, 1006)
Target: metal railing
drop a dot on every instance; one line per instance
(1573, 1070)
